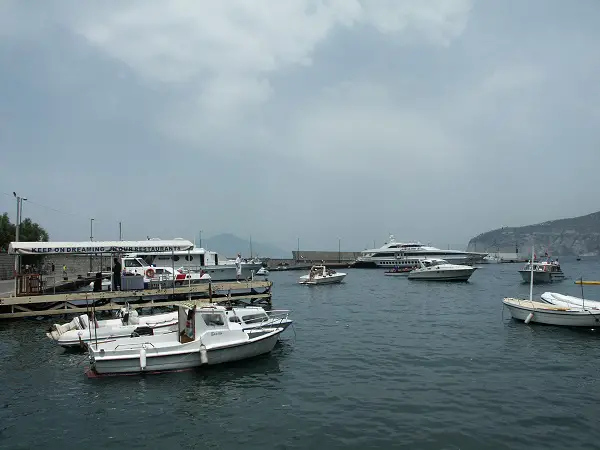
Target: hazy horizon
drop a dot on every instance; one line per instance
(434, 121)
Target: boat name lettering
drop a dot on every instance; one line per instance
(216, 333)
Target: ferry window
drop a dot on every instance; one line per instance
(252, 318)
(175, 258)
(132, 263)
(202, 260)
(189, 258)
(213, 320)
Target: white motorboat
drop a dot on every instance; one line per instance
(547, 271)
(78, 332)
(545, 313)
(262, 272)
(397, 271)
(441, 270)
(407, 254)
(205, 336)
(557, 299)
(320, 274)
(550, 314)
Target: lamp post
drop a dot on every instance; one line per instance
(17, 230)
(339, 250)
(91, 240)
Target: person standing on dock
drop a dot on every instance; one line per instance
(65, 277)
(238, 267)
(117, 275)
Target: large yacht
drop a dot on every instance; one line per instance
(408, 254)
(200, 259)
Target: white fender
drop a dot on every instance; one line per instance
(528, 318)
(203, 355)
(143, 358)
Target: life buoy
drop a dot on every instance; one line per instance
(150, 272)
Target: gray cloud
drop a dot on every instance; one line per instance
(430, 120)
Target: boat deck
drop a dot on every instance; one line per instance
(537, 305)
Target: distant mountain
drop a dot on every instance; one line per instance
(564, 237)
(229, 245)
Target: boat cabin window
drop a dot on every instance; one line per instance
(253, 318)
(189, 258)
(213, 320)
(234, 319)
(132, 263)
(175, 258)
(160, 271)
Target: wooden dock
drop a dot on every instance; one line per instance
(80, 302)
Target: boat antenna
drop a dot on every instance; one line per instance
(531, 281)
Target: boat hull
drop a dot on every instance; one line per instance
(333, 279)
(186, 356)
(520, 310)
(442, 275)
(76, 338)
(541, 277)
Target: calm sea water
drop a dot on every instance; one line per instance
(377, 362)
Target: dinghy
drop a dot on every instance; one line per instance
(320, 274)
(557, 299)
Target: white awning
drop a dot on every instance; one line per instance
(87, 248)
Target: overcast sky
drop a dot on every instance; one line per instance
(431, 120)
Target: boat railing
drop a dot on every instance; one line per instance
(273, 317)
(134, 346)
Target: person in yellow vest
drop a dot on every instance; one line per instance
(65, 272)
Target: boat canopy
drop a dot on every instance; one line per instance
(95, 247)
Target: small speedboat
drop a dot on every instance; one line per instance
(205, 336)
(320, 274)
(79, 331)
(547, 271)
(441, 270)
(262, 271)
(397, 271)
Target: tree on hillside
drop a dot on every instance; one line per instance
(29, 231)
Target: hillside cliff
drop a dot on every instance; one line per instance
(564, 237)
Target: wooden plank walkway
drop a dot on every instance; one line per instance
(15, 307)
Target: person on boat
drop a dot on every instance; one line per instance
(238, 267)
(116, 275)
